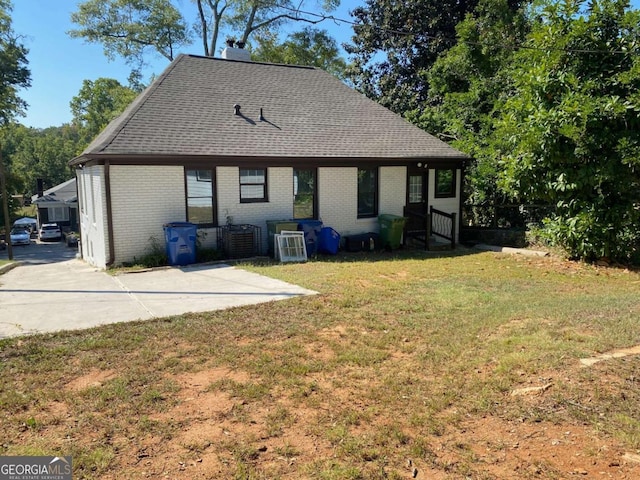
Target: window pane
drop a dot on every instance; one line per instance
(251, 191)
(367, 192)
(252, 176)
(303, 193)
(58, 214)
(253, 185)
(445, 180)
(415, 189)
(196, 187)
(200, 196)
(199, 210)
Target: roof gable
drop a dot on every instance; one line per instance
(64, 193)
(306, 113)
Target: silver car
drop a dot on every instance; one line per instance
(20, 236)
(50, 231)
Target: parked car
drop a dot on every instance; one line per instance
(50, 231)
(20, 236)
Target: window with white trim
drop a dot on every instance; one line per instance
(58, 214)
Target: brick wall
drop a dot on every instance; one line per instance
(338, 195)
(279, 206)
(393, 190)
(144, 198)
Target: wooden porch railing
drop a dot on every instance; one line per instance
(422, 227)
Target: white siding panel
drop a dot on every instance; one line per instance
(93, 216)
(144, 198)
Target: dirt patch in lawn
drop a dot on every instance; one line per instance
(95, 378)
(212, 434)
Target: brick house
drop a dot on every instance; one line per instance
(217, 141)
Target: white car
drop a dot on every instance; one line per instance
(20, 236)
(50, 231)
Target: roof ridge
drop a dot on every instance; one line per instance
(254, 62)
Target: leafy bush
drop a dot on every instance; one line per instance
(155, 257)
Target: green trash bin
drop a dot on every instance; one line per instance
(391, 228)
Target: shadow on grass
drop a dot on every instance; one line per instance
(403, 253)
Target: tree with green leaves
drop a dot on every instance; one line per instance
(14, 74)
(14, 71)
(129, 28)
(569, 129)
(464, 86)
(97, 103)
(396, 43)
(310, 46)
(40, 154)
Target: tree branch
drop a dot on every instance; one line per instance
(253, 28)
(203, 23)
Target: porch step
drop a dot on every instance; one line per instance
(435, 244)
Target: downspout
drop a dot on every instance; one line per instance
(78, 213)
(107, 192)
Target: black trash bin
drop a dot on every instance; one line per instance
(180, 238)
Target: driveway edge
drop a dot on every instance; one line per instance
(10, 266)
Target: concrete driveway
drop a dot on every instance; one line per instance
(52, 290)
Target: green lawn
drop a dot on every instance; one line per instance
(405, 360)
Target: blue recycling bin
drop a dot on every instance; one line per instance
(180, 239)
(328, 241)
(311, 229)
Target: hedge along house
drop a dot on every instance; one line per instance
(218, 141)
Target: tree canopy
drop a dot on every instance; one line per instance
(569, 130)
(97, 103)
(396, 43)
(39, 154)
(14, 74)
(14, 71)
(129, 28)
(310, 46)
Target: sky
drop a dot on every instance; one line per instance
(59, 63)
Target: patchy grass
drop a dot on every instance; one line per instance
(404, 361)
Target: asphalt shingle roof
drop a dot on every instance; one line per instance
(64, 193)
(189, 110)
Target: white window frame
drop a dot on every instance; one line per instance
(52, 214)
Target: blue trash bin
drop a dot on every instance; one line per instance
(180, 239)
(328, 241)
(311, 229)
